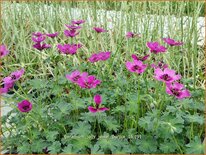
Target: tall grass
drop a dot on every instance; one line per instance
(25, 18)
(153, 20)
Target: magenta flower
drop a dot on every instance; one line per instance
(8, 82)
(78, 45)
(76, 75)
(6, 87)
(3, 51)
(88, 82)
(68, 48)
(4, 90)
(99, 29)
(94, 58)
(101, 56)
(98, 101)
(38, 39)
(172, 42)
(167, 75)
(41, 47)
(52, 35)
(155, 47)
(73, 27)
(78, 22)
(71, 33)
(176, 89)
(132, 35)
(37, 34)
(136, 66)
(104, 55)
(24, 106)
(14, 76)
(160, 65)
(140, 58)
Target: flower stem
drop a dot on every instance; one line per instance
(175, 140)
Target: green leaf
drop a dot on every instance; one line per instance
(68, 149)
(146, 123)
(111, 124)
(106, 142)
(150, 121)
(62, 80)
(168, 147)
(51, 135)
(147, 144)
(119, 109)
(123, 147)
(89, 117)
(64, 107)
(195, 119)
(80, 143)
(193, 105)
(195, 146)
(38, 145)
(56, 89)
(56, 114)
(170, 125)
(82, 129)
(38, 83)
(78, 103)
(55, 147)
(96, 149)
(24, 148)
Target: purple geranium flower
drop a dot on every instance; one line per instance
(37, 34)
(78, 45)
(52, 35)
(76, 75)
(167, 75)
(94, 58)
(68, 48)
(41, 47)
(73, 27)
(99, 29)
(98, 101)
(160, 65)
(104, 55)
(132, 35)
(71, 33)
(4, 90)
(176, 89)
(38, 39)
(140, 58)
(101, 56)
(24, 106)
(78, 22)
(6, 87)
(14, 76)
(3, 51)
(172, 42)
(8, 82)
(136, 66)
(88, 82)
(155, 47)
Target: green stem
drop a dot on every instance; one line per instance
(138, 102)
(175, 140)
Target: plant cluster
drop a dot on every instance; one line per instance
(146, 106)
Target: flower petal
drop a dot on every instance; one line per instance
(92, 109)
(103, 109)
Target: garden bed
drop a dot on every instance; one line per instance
(81, 80)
